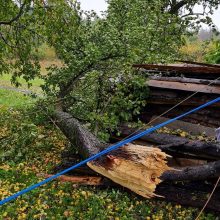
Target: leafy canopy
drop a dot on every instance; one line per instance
(97, 77)
(96, 82)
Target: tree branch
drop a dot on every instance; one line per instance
(20, 13)
(192, 14)
(84, 141)
(68, 87)
(176, 7)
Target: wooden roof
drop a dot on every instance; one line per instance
(180, 68)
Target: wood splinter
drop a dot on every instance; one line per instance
(81, 180)
(135, 167)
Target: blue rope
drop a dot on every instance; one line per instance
(106, 151)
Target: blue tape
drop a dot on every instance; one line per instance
(106, 151)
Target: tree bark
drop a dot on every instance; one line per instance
(85, 142)
(209, 170)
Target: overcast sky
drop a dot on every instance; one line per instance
(100, 5)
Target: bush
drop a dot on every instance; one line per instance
(214, 55)
(22, 138)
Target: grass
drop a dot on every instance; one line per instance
(7, 78)
(5, 82)
(13, 99)
(47, 59)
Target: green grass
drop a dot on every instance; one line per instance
(5, 81)
(13, 99)
(9, 97)
(35, 82)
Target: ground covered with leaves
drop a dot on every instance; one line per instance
(29, 146)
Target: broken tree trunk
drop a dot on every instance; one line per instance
(137, 168)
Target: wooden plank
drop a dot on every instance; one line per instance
(154, 99)
(186, 69)
(198, 63)
(193, 87)
(186, 80)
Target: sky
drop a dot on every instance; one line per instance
(96, 5)
(216, 18)
(101, 5)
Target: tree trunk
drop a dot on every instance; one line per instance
(84, 141)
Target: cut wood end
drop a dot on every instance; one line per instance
(135, 167)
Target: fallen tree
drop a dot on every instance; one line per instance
(137, 168)
(142, 167)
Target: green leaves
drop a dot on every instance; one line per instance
(95, 79)
(214, 55)
(20, 33)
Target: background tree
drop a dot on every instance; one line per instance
(214, 55)
(20, 28)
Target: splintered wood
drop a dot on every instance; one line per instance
(135, 167)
